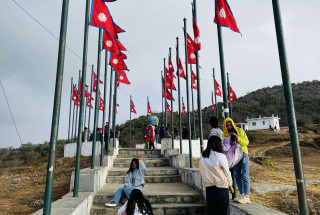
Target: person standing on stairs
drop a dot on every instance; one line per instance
(136, 205)
(216, 177)
(133, 180)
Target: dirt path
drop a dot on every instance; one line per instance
(262, 150)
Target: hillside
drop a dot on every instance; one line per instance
(264, 102)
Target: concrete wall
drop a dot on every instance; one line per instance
(166, 143)
(70, 149)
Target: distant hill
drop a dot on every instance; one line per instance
(264, 102)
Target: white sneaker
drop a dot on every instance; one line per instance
(238, 198)
(111, 204)
(245, 200)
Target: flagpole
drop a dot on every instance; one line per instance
(223, 74)
(110, 106)
(85, 110)
(84, 72)
(104, 109)
(97, 104)
(165, 88)
(72, 139)
(230, 104)
(114, 109)
(130, 120)
(215, 93)
(187, 89)
(56, 109)
(212, 98)
(147, 107)
(91, 88)
(193, 116)
(302, 196)
(172, 137)
(198, 91)
(71, 95)
(179, 94)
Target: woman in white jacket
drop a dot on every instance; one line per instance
(216, 177)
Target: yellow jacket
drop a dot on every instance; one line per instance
(242, 137)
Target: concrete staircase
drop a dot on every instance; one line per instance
(163, 188)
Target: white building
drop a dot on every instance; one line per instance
(242, 125)
(263, 123)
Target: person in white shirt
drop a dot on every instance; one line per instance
(136, 205)
(216, 177)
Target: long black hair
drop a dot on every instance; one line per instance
(215, 144)
(144, 205)
(133, 160)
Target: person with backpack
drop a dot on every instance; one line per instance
(241, 169)
(133, 180)
(136, 205)
(216, 177)
(151, 136)
(146, 136)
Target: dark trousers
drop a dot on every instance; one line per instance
(218, 201)
(151, 145)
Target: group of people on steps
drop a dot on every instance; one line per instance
(226, 152)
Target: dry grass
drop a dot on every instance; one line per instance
(22, 192)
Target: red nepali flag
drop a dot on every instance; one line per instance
(101, 18)
(81, 85)
(171, 68)
(168, 85)
(183, 109)
(87, 94)
(124, 56)
(167, 94)
(149, 108)
(191, 55)
(194, 83)
(118, 29)
(95, 83)
(110, 43)
(122, 77)
(232, 94)
(89, 101)
(117, 62)
(196, 33)
(224, 16)
(218, 90)
(181, 71)
(213, 107)
(169, 76)
(133, 110)
(101, 104)
(74, 93)
(168, 108)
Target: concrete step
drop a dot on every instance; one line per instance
(135, 152)
(158, 209)
(156, 193)
(159, 171)
(147, 179)
(145, 160)
(143, 156)
(149, 163)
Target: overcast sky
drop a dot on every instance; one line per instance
(28, 54)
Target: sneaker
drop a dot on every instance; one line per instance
(111, 204)
(244, 200)
(238, 198)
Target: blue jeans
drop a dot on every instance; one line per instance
(241, 171)
(124, 190)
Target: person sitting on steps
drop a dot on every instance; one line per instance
(133, 180)
(136, 205)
